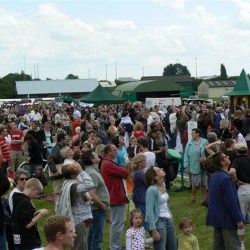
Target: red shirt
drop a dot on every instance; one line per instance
(5, 148)
(16, 135)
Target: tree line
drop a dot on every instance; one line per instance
(8, 86)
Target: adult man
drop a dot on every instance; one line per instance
(59, 233)
(224, 212)
(4, 148)
(241, 176)
(54, 161)
(16, 153)
(36, 132)
(100, 197)
(113, 176)
(73, 201)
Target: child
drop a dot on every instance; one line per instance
(135, 235)
(25, 218)
(186, 240)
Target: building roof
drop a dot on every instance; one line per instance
(147, 86)
(56, 86)
(220, 84)
(179, 78)
(242, 86)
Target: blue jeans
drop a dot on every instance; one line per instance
(95, 237)
(165, 227)
(2, 241)
(116, 226)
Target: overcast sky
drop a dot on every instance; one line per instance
(127, 38)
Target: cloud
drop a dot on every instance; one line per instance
(63, 43)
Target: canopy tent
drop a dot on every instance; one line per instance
(101, 96)
(242, 86)
(65, 99)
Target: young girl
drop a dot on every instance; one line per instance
(186, 240)
(135, 235)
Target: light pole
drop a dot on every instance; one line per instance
(115, 70)
(196, 66)
(106, 72)
(89, 73)
(142, 71)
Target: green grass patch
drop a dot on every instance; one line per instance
(180, 205)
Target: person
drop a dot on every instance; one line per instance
(186, 240)
(136, 235)
(140, 186)
(55, 160)
(76, 139)
(74, 203)
(22, 176)
(34, 157)
(4, 148)
(113, 176)
(158, 215)
(150, 156)
(4, 187)
(59, 233)
(100, 201)
(224, 212)
(241, 175)
(25, 218)
(194, 156)
(16, 153)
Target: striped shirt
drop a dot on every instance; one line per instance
(5, 148)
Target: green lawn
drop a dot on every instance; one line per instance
(180, 205)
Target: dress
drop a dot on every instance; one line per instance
(188, 242)
(136, 238)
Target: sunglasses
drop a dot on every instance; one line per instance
(24, 179)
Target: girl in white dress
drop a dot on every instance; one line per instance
(135, 235)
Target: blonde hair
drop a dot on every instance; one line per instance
(34, 182)
(138, 158)
(138, 126)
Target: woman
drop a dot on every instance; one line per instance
(193, 158)
(47, 140)
(158, 214)
(34, 157)
(76, 139)
(140, 186)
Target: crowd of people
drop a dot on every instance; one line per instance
(114, 161)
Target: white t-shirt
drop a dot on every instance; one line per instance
(150, 159)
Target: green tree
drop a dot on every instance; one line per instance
(223, 71)
(71, 76)
(8, 84)
(175, 70)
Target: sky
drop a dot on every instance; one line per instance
(123, 38)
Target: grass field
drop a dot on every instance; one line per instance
(180, 205)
